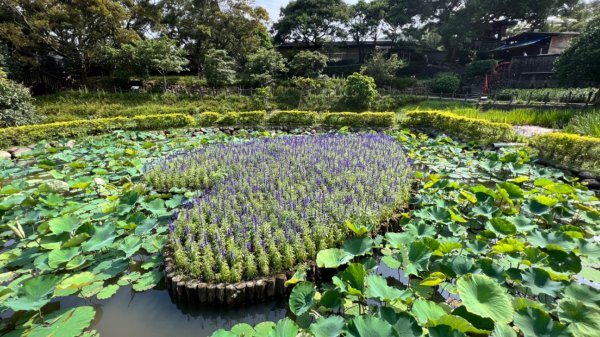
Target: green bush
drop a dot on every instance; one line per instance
(365, 119)
(248, 118)
(461, 127)
(479, 68)
(568, 150)
(16, 104)
(292, 117)
(31, 134)
(445, 83)
(587, 124)
(207, 118)
(360, 90)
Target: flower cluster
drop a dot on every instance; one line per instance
(269, 205)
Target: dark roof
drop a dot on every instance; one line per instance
(527, 39)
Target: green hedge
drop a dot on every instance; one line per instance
(365, 119)
(568, 150)
(461, 127)
(292, 117)
(247, 118)
(207, 118)
(31, 134)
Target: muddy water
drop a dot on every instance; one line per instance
(153, 314)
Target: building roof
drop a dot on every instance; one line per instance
(527, 39)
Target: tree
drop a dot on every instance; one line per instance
(236, 26)
(365, 19)
(308, 63)
(581, 61)
(219, 68)
(360, 90)
(460, 21)
(381, 69)
(401, 17)
(264, 65)
(78, 32)
(144, 56)
(311, 22)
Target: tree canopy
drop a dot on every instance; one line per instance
(581, 61)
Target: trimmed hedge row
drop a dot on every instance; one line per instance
(568, 150)
(298, 118)
(461, 127)
(31, 134)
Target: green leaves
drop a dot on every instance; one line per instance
(64, 224)
(102, 238)
(583, 321)
(483, 296)
(332, 258)
(327, 326)
(534, 322)
(378, 288)
(65, 323)
(301, 298)
(369, 326)
(539, 282)
(34, 293)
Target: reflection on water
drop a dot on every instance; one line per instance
(152, 314)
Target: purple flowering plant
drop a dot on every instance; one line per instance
(268, 205)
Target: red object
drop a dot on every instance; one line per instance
(485, 85)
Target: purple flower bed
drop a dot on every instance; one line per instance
(269, 205)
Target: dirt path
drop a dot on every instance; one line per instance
(530, 130)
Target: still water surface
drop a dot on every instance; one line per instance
(153, 314)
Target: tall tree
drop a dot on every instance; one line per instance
(581, 61)
(144, 56)
(364, 22)
(311, 22)
(402, 17)
(237, 26)
(77, 31)
(459, 21)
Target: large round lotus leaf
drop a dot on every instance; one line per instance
(369, 326)
(332, 258)
(301, 298)
(65, 323)
(327, 326)
(285, 328)
(583, 320)
(539, 282)
(34, 293)
(535, 322)
(483, 296)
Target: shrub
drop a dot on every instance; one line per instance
(30, 134)
(382, 70)
(587, 124)
(16, 104)
(293, 117)
(445, 83)
(479, 68)
(360, 90)
(568, 150)
(308, 63)
(207, 118)
(265, 214)
(365, 119)
(461, 127)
